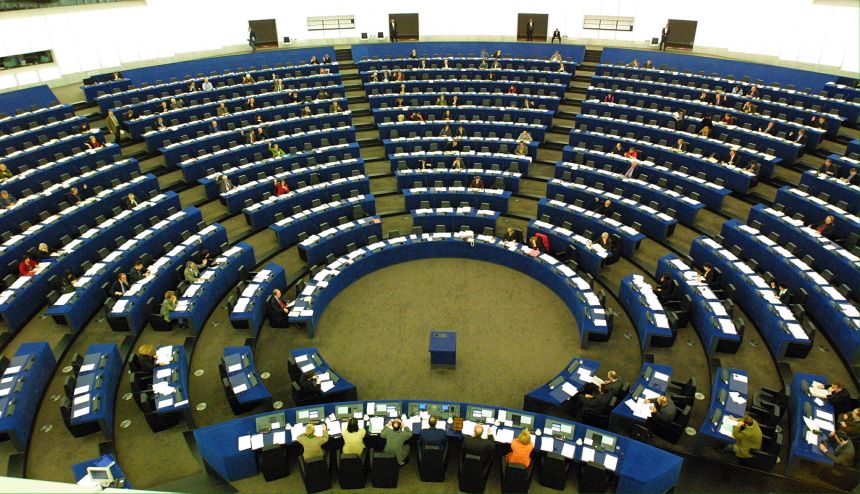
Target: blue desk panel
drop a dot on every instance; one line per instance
(490, 113)
(801, 404)
(818, 183)
(93, 91)
(288, 229)
(583, 220)
(775, 322)
(10, 122)
(95, 387)
(641, 469)
(50, 172)
(708, 316)
(412, 178)
(815, 210)
(465, 82)
(471, 160)
(454, 218)
(557, 391)
(434, 144)
(39, 96)
(174, 372)
(573, 290)
(654, 380)
(710, 194)
(238, 376)
(507, 130)
(834, 315)
(50, 150)
(466, 48)
(336, 239)
(456, 196)
(79, 470)
(77, 308)
(310, 360)
(730, 396)
(645, 310)
(201, 297)
(250, 309)
(30, 369)
(589, 256)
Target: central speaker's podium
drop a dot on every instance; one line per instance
(443, 349)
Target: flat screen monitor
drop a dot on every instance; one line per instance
(601, 440)
(102, 475)
(271, 421)
(560, 430)
(478, 414)
(311, 414)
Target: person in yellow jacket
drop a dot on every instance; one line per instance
(747, 435)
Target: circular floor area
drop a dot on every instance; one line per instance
(513, 333)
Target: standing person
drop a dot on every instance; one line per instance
(556, 35)
(252, 39)
(113, 126)
(530, 30)
(392, 31)
(664, 36)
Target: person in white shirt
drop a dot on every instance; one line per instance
(207, 86)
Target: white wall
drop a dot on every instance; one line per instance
(94, 39)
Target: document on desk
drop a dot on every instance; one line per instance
(569, 389)
(811, 438)
(279, 437)
(326, 386)
(568, 450)
(718, 309)
(661, 320)
(587, 454)
(737, 398)
(546, 443)
(376, 424)
(296, 431)
(649, 394)
(81, 399)
(504, 435)
(307, 367)
(727, 326)
(610, 462)
(244, 442)
(257, 441)
(163, 373)
(80, 412)
(240, 388)
(824, 425)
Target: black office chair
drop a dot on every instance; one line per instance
(351, 471)
(273, 463)
(157, 422)
(554, 470)
(472, 474)
(77, 430)
(594, 478)
(384, 469)
(516, 477)
(432, 462)
(315, 473)
(304, 398)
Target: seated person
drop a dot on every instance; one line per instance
(747, 434)
(609, 243)
(74, 197)
(146, 357)
(770, 129)
(453, 146)
(446, 131)
(664, 287)
(224, 184)
(828, 168)
(632, 153)
(192, 271)
(120, 286)
(276, 151)
(416, 117)
(838, 448)
(708, 274)
(648, 64)
(521, 449)
(168, 305)
(27, 267)
(281, 187)
(680, 145)
(594, 400)
(663, 409)
(826, 227)
(536, 244)
(839, 398)
(611, 385)
(353, 438)
(603, 208)
(396, 437)
(138, 272)
(850, 423)
(93, 143)
(512, 235)
(852, 178)
(525, 137)
(748, 107)
(432, 436)
(476, 183)
(129, 202)
(278, 310)
(479, 446)
(68, 282)
(220, 111)
(782, 291)
(728, 119)
(213, 127)
(734, 158)
(609, 98)
(5, 173)
(522, 149)
(618, 149)
(312, 445)
(43, 253)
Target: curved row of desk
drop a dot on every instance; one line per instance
(228, 448)
(574, 291)
(473, 128)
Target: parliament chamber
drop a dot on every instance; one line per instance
(636, 263)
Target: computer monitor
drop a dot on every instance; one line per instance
(317, 360)
(102, 475)
(345, 412)
(637, 392)
(601, 441)
(310, 414)
(725, 376)
(560, 430)
(443, 411)
(383, 409)
(717, 418)
(556, 382)
(723, 396)
(573, 366)
(647, 374)
(479, 414)
(272, 421)
(522, 420)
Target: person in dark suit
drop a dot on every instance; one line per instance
(851, 178)
(618, 149)
(783, 293)
(129, 202)
(826, 227)
(611, 245)
(680, 146)
(119, 287)
(138, 272)
(663, 409)
(530, 30)
(432, 436)
(308, 385)
(611, 385)
(278, 310)
(828, 168)
(512, 235)
(603, 208)
(839, 398)
(664, 287)
(145, 358)
(479, 446)
(392, 31)
(734, 158)
(556, 35)
(839, 449)
(664, 37)
(708, 273)
(595, 402)
(74, 197)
